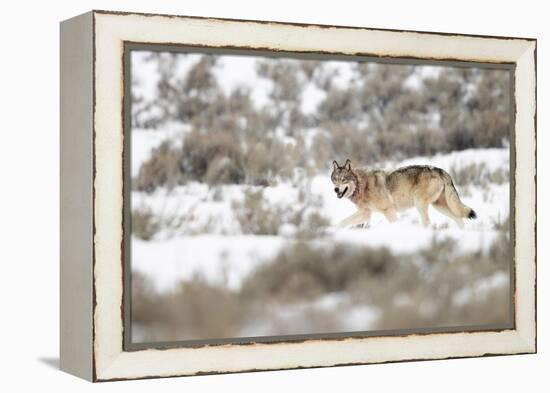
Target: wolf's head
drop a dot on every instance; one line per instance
(344, 179)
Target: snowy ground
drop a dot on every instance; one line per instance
(200, 235)
(352, 317)
(224, 255)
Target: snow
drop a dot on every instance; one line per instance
(411, 237)
(144, 76)
(415, 80)
(281, 194)
(312, 96)
(233, 72)
(336, 306)
(481, 288)
(224, 255)
(227, 260)
(493, 158)
(195, 202)
(344, 72)
(205, 238)
(223, 260)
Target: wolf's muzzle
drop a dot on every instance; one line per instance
(339, 193)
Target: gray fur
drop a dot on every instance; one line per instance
(390, 192)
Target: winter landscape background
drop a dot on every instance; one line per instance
(233, 212)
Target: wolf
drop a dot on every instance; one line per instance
(390, 192)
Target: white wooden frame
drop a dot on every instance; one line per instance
(92, 273)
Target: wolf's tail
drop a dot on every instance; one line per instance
(453, 200)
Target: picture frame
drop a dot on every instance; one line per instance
(94, 327)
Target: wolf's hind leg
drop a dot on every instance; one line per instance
(441, 206)
(433, 192)
(359, 217)
(445, 210)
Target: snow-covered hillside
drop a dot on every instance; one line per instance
(234, 215)
(221, 253)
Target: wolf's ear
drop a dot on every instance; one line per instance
(347, 165)
(335, 165)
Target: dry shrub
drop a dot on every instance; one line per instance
(424, 142)
(223, 170)
(304, 271)
(434, 303)
(429, 279)
(345, 141)
(502, 224)
(255, 217)
(423, 311)
(194, 309)
(201, 149)
(220, 157)
(478, 174)
(215, 157)
(339, 106)
(144, 223)
(163, 168)
(267, 159)
(415, 290)
(378, 116)
(286, 77)
(259, 217)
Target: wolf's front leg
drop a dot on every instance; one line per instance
(359, 217)
(390, 214)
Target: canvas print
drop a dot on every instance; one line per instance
(284, 197)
